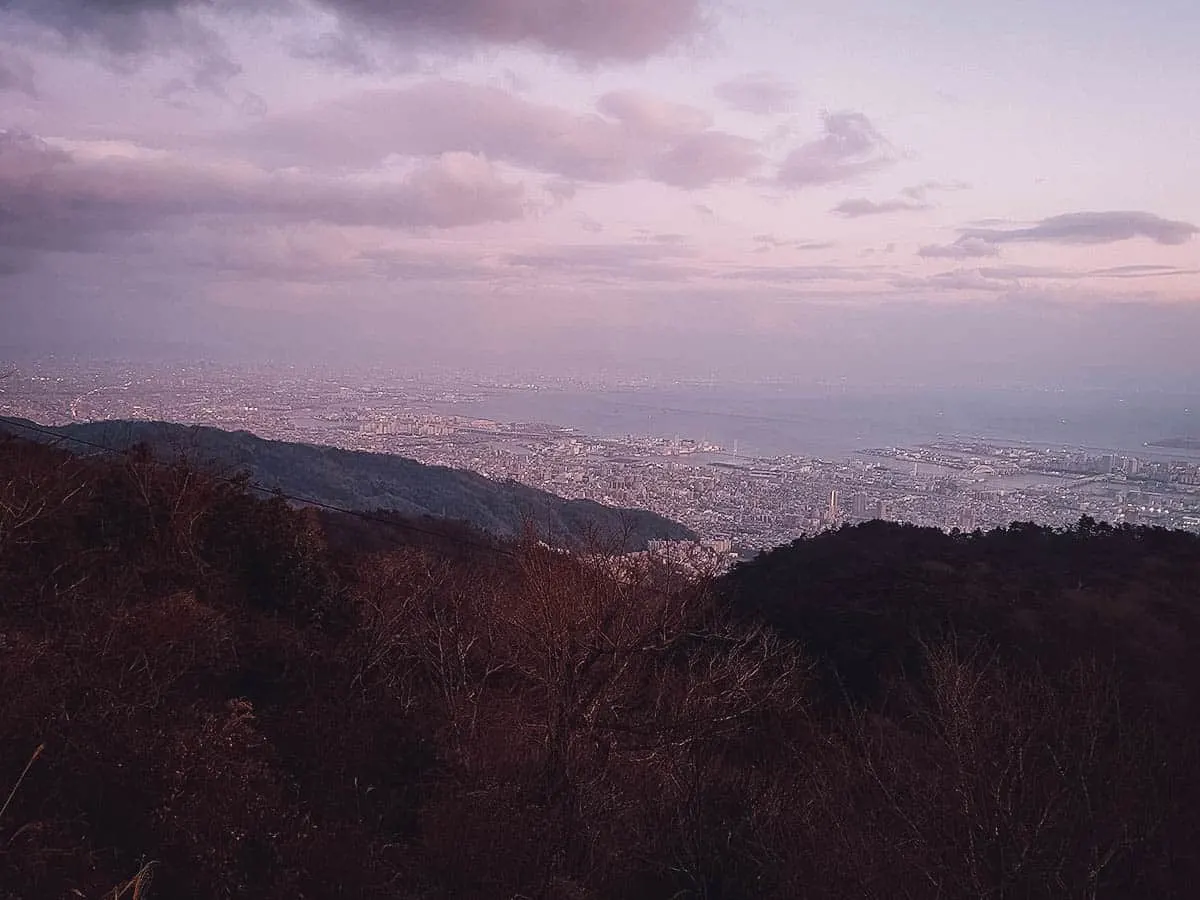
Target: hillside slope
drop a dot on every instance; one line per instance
(377, 481)
(231, 697)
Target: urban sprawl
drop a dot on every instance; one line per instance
(735, 502)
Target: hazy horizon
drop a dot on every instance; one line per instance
(726, 189)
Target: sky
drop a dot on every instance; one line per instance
(919, 192)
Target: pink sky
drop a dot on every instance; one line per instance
(498, 176)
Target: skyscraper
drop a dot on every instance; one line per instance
(861, 505)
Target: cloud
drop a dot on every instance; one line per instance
(963, 248)
(760, 94)
(1043, 272)
(1091, 228)
(699, 160)
(958, 280)
(797, 274)
(925, 188)
(341, 50)
(609, 263)
(589, 32)
(1014, 272)
(119, 27)
(653, 117)
(850, 147)
(769, 242)
(16, 75)
(124, 33)
(1141, 271)
(858, 207)
(637, 136)
(77, 197)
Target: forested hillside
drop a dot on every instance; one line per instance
(380, 481)
(209, 694)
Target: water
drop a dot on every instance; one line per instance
(769, 420)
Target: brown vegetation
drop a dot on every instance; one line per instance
(206, 694)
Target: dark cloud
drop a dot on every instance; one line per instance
(760, 94)
(850, 147)
(123, 33)
(1090, 228)
(59, 200)
(858, 207)
(587, 31)
(339, 50)
(638, 136)
(963, 248)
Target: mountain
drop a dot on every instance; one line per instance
(365, 481)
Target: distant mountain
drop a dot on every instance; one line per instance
(1177, 443)
(379, 481)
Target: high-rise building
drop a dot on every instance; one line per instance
(861, 505)
(881, 509)
(834, 508)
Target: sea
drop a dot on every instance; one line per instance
(836, 422)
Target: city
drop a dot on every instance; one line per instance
(732, 500)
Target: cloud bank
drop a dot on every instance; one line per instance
(631, 135)
(77, 198)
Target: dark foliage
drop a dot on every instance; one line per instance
(368, 481)
(204, 693)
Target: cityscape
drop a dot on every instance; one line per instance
(734, 500)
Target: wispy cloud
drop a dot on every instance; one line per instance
(759, 93)
(959, 280)
(1090, 228)
(963, 248)
(1142, 271)
(921, 191)
(653, 261)
(765, 243)
(850, 147)
(857, 207)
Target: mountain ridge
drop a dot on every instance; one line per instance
(364, 481)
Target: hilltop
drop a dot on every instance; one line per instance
(359, 480)
(212, 694)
